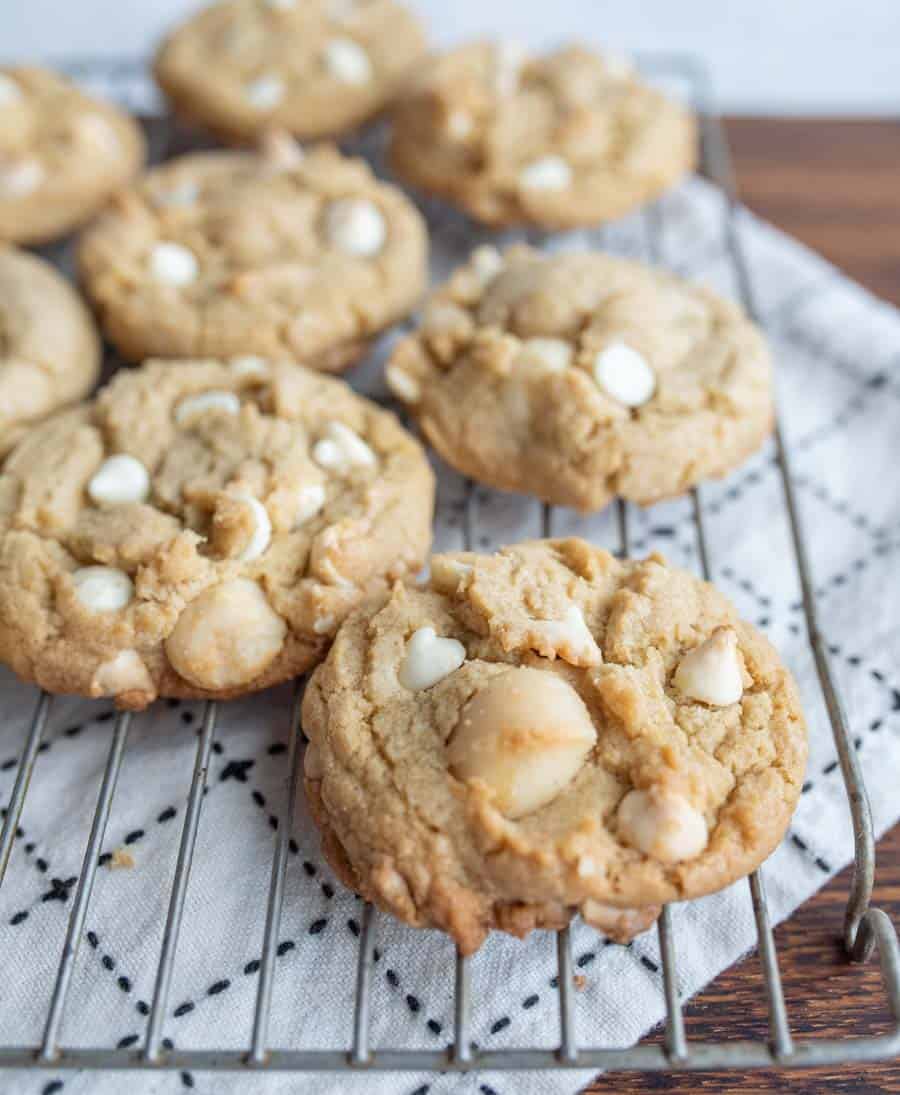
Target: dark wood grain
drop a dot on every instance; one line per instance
(836, 186)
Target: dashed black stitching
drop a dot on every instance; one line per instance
(252, 966)
(124, 983)
(500, 1024)
(392, 979)
(318, 926)
(166, 815)
(649, 964)
(284, 946)
(134, 836)
(108, 962)
(187, 1079)
(530, 1001)
(92, 939)
(218, 986)
(142, 1007)
(412, 1002)
(236, 770)
(259, 798)
(434, 1026)
(354, 927)
(277, 748)
(585, 960)
(309, 867)
(183, 1009)
(19, 917)
(128, 1040)
(52, 1087)
(328, 890)
(423, 1090)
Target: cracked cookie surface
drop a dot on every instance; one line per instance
(314, 67)
(62, 154)
(280, 253)
(560, 140)
(201, 528)
(582, 376)
(555, 758)
(49, 347)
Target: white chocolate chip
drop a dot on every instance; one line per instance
(182, 194)
(547, 173)
(621, 925)
(173, 264)
(310, 500)
(120, 479)
(265, 92)
(261, 536)
(487, 262)
(340, 449)
(356, 226)
(568, 638)
(429, 658)
(624, 375)
(226, 637)
(448, 574)
(347, 61)
(323, 625)
(553, 354)
(403, 385)
(662, 824)
(193, 406)
(10, 92)
(126, 672)
(711, 672)
(250, 365)
(102, 589)
(280, 5)
(526, 735)
(19, 178)
(509, 57)
(459, 125)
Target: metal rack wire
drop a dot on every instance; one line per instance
(867, 930)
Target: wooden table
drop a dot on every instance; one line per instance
(835, 185)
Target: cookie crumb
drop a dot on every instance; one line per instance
(121, 859)
(579, 980)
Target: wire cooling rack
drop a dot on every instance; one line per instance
(867, 930)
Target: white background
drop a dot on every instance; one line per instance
(767, 56)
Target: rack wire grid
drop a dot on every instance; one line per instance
(867, 930)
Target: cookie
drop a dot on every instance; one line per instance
(280, 253)
(544, 730)
(579, 377)
(49, 347)
(314, 67)
(201, 528)
(62, 154)
(569, 138)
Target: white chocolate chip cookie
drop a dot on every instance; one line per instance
(311, 67)
(558, 140)
(49, 348)
(582, 376)
(62, 154)
(177, 537)
(471, 769)
(280, 254)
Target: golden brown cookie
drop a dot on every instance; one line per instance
(62, 154)
(546, 730)
(579, 377)
(560, 140)
(49, 347)
(313, 67)
(281, 253)
(201, 529)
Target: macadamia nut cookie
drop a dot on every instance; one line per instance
(314, 67)
(579, 377)
(281, 253)
(566, 139)
(546, 730)
(62, 154)
(201, 529)
(49, 347)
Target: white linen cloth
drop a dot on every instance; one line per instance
(837, 350)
